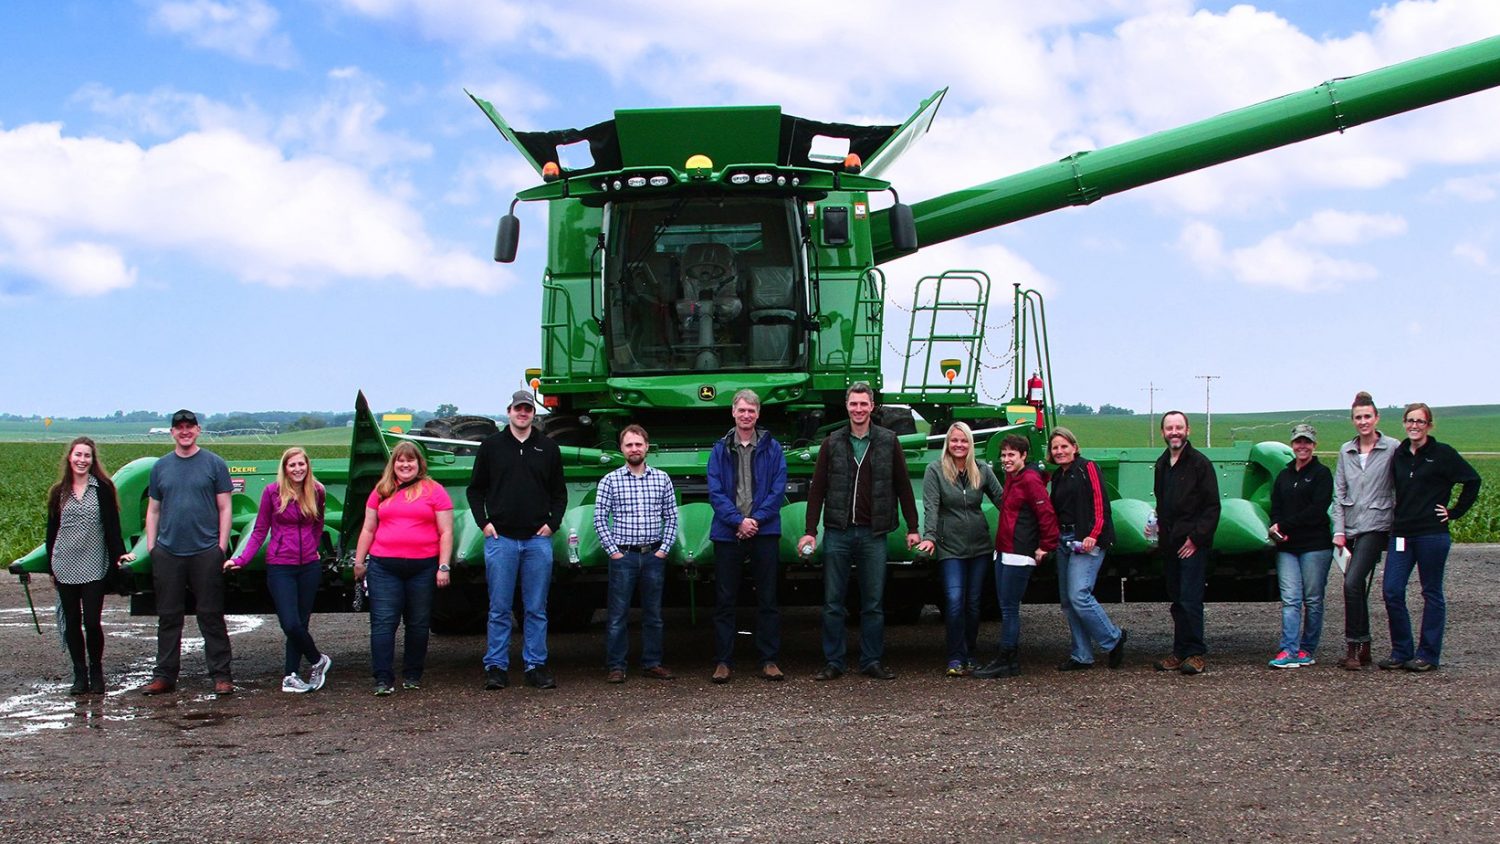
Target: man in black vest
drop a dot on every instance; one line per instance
(861, 475)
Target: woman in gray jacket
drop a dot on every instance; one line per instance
(1363, 500)
(955, 531)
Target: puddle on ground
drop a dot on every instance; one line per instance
(48, 706)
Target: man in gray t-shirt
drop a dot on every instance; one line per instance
(187, 535)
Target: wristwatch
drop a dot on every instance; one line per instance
(445, 567)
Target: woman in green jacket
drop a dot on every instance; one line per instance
(955, 531)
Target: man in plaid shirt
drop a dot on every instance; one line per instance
(635, 515)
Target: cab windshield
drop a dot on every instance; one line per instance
(703, 284)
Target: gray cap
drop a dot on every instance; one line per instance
(521, 397)
(1304, 431)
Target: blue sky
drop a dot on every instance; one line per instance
(247, 205)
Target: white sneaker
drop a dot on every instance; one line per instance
(318, 674)
(293, 683)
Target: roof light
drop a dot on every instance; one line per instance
(762, 178)
(781, 180)
(740, 179)
(551, 172)
(659, 181)
(616, 184)
(852, 163)
(636, 181)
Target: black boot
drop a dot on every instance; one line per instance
(96, 679)
(994, 669)
(80, 679)
(1012, 658)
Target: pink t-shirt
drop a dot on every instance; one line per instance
(408, 529)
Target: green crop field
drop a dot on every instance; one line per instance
(29, 464)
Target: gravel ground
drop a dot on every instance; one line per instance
(1241, 753)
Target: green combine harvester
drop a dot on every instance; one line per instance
(705, 250)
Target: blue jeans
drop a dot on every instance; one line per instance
(400, 589)
(1302, 578)
(963, 580)
(1429, 555)
(1186, 578)
(1010, 586)
(1087, 621)
(505, 560)
(293, 589)
(648, 571)
(729, 558)
(859, 548)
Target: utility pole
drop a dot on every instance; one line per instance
(1151, 390)
(1208, 383)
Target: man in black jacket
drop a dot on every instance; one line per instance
(861, 474)
(517, 497)
(1187, 513)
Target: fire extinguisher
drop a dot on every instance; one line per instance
(1035, 396)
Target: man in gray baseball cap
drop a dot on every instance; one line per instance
(518, 498)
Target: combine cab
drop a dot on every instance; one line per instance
(706, 250)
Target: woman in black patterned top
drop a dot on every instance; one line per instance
(83, 541)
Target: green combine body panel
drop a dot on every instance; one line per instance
(707, 250)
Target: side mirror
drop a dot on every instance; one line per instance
(507, 237)
(903, 229)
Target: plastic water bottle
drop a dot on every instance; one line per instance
(573, 546)
(806, 550)
(1151, 530)
(1076, 546)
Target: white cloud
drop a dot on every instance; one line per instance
(1473, 253)
(1290, 258)
(344, 124)
(244, 29)
(227, 200)
(1480, 188)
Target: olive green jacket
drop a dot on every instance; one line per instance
(951, 517)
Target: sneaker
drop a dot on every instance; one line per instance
(1194, 664)
(615, 675)
(318, 674)
(1170, 662)
(495, 677)
(994, 669)
(1390, 663)
(383, 689)
(412, 685)
(1305, 658)
(955, 669)
(1284, 659)
(1419, 665)
(970, 666)
(293, 683)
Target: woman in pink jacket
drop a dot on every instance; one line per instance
(291, 512)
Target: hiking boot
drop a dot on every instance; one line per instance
(1170, 662)
(1364, 653)
(1194, 664)
(1390, 663)
(1351, 662)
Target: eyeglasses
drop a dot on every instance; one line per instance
(1417, 422)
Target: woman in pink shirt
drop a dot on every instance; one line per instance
(404, 550)
(291, 513)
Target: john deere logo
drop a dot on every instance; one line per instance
(707, 392)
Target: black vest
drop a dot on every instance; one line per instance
(874, 479)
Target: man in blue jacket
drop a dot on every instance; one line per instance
(746, 487)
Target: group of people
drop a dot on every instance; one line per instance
(1383, 496)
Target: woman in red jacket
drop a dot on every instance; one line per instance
(1027, 533)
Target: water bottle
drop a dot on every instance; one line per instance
(1076, 546)
(573, 546)
(1151, 531)
(806, 550)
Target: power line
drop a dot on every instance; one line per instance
(1208, 383)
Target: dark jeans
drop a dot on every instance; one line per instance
(82, 605)
(172, 576)
(400, 589)
(729, 561)
(851, 548)
(1359, 577)
(963, 581)
(1010, 587)
(1185, 582)
(634, 570)
(1428, 554)
(293, 589)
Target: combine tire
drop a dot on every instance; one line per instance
(474, 428)
(900, 420)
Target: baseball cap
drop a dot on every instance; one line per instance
(1304, 431)
(184, 417)
(521, 397)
